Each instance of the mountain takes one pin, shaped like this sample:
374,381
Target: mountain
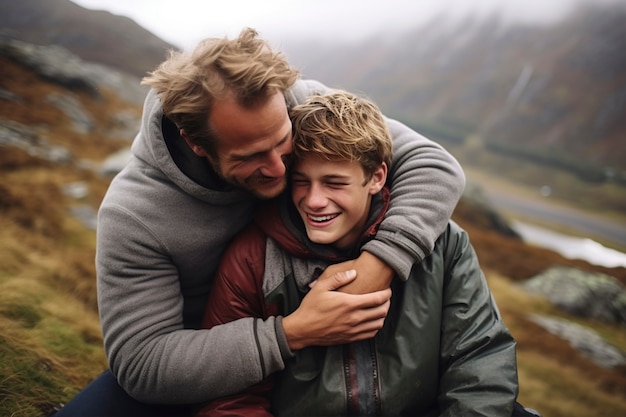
95,36
554,94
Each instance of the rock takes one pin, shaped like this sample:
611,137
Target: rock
86,215
29,140
115,162
588,342
476,208
7,95
73,109
60,66
52,62
77,190
585,294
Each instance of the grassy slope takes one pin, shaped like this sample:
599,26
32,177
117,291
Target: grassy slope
50,342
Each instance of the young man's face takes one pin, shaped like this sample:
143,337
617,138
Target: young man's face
333,198
253,145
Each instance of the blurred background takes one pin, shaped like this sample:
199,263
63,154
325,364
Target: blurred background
530,97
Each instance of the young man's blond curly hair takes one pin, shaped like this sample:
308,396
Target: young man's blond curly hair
342,126
189,83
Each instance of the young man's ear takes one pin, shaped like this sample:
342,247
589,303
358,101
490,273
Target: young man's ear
196,148
378,179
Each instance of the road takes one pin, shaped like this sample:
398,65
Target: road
542,210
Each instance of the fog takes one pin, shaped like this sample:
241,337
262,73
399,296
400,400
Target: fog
185,22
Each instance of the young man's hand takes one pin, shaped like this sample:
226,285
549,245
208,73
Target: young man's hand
328,317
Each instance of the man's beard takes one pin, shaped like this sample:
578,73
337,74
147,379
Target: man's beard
254,184
251,183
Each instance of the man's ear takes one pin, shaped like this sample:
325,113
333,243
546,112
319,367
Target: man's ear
379,177
194,147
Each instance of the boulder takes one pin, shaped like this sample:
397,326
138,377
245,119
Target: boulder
581,293
585,340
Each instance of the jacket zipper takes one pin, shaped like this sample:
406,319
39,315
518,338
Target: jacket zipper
361,370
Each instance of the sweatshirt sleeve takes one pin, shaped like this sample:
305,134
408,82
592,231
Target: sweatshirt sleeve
426,183
478,362
154,358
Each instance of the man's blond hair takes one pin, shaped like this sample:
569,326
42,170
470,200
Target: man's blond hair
342,126
189,83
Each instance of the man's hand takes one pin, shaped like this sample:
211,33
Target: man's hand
328,317
372,274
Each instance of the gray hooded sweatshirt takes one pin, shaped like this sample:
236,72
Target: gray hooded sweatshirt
162,227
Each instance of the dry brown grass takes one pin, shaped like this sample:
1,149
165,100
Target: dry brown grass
555,378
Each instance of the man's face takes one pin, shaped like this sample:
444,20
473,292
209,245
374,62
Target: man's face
333,198
252,145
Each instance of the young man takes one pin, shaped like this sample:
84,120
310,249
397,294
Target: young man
213,142
443,351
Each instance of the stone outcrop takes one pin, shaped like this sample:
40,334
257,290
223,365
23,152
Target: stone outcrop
32,141
476,208
585,294
60,66
586,341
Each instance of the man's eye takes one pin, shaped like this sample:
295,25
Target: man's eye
300,183
337,184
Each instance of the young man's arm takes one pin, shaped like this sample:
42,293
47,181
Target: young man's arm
426,184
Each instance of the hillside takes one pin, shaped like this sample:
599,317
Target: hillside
95,36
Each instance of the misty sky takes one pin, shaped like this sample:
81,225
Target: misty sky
185,22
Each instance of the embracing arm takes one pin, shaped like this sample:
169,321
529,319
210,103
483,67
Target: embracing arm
479,371
426,183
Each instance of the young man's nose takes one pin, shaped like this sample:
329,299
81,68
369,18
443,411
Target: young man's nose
315,198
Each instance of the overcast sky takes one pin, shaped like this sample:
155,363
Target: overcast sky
185,22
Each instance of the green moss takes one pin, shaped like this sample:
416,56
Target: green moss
29,385
27,315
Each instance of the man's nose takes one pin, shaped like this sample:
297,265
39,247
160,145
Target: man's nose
274,165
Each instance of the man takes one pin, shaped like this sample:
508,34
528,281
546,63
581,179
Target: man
214,141
443,351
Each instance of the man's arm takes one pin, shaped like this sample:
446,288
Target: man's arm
479,371
426,183
154,358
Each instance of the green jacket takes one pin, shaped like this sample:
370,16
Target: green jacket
443,351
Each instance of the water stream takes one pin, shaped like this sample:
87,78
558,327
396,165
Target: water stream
569,246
